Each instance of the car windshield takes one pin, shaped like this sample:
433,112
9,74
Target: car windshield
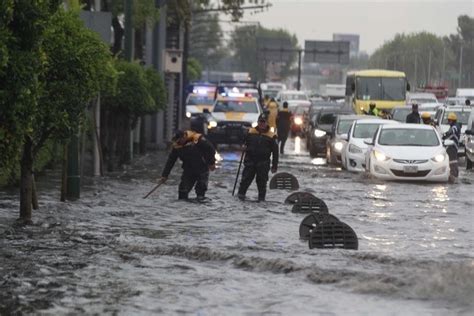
236,106
375,88
327,118
400,115
428,108
344,126
301,110
199,100
270,93
463,116
408,137
287,97
365,130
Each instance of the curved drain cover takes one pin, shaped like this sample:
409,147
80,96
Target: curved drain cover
312,204
310,222
333,234
284,181
294,197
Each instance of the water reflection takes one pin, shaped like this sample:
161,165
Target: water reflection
318,161
297,145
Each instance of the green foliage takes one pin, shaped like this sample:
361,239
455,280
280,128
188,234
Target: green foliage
22,26
156,89
244,44
402,52
78,66
194,69
133,97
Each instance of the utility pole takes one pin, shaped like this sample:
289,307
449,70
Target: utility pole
96,116
128,50
429,67
460,68
416,69
298,86
444,63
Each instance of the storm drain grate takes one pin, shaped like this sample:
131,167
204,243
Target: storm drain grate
284,181
311,204
333,234
294,197
311,221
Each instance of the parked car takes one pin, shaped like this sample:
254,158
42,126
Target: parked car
462,113
407,152
469,141
320,129
335,143
298,120
353,155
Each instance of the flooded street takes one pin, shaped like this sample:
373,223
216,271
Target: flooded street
113,252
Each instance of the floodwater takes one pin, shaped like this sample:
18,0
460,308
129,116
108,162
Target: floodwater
113,252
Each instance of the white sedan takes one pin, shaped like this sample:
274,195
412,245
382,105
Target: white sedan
353,154
408,152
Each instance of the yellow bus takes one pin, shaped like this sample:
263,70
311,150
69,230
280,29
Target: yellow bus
385,88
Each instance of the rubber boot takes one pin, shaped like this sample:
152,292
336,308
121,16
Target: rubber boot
182,196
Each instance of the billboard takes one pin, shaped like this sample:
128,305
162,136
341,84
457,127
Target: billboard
353,39
274,49
326,52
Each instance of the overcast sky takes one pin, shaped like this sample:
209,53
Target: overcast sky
375,21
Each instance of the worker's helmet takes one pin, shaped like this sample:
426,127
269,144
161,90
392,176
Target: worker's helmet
425,115
452,117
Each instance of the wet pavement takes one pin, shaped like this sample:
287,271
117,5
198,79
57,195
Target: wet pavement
113,252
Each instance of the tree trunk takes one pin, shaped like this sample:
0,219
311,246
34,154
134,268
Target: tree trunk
25,182
118,36
34,196
64,175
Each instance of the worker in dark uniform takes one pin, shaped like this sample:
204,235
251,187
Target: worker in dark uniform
260,144
414,116
197,155
454,133
283,122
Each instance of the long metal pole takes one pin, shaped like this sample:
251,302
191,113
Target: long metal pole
298,86
416,70
460,68
429,68
97,161
444,64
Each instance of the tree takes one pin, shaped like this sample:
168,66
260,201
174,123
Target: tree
55,67
194,69
422,56
244,45
138,93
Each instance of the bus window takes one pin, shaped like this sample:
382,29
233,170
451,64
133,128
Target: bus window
368,88
393,89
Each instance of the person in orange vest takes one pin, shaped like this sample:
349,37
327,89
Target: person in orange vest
198,157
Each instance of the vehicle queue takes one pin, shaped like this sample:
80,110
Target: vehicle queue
382,143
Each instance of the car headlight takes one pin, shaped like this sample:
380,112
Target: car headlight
354,149
439,158
212,124
298,121
380,156
254,124
338,146
188,114
319,133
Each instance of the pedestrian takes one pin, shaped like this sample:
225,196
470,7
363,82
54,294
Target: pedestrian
414,116
266,99
454,133
197,155
426,118
372,110
272,109
283,122
468,102
260,144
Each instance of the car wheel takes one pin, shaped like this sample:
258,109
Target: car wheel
468,163
313,152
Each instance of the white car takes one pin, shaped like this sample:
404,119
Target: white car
293,97
421,97
408,152
430,108
353,154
